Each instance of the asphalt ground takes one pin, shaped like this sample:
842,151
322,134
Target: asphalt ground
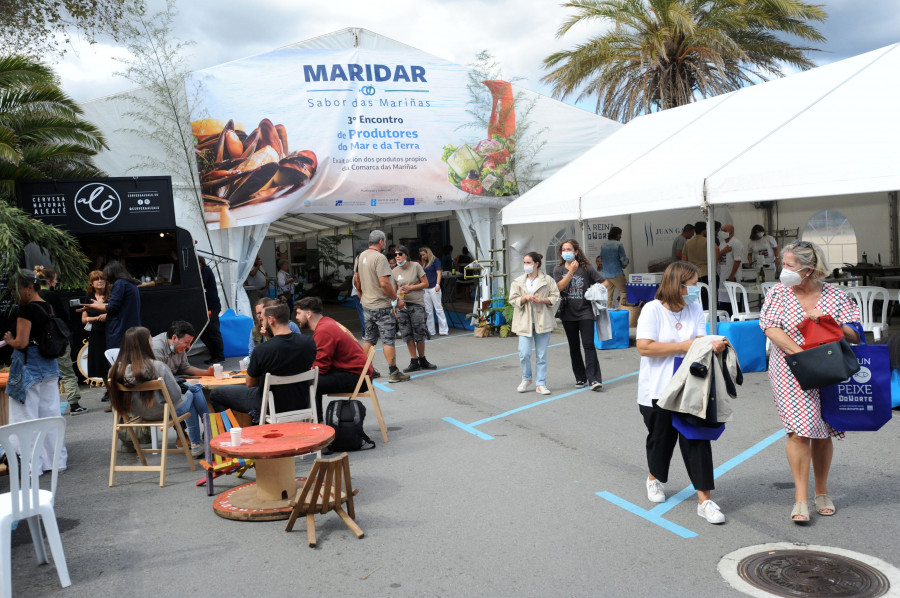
501,501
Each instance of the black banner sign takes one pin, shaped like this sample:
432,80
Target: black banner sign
97,206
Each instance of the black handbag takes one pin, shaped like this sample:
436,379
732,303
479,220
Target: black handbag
823,365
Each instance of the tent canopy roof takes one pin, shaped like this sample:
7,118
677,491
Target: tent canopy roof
828,131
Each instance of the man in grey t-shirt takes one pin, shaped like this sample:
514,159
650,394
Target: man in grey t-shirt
171,348
678,244
372,279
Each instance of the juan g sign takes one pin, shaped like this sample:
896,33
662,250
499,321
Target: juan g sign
100,206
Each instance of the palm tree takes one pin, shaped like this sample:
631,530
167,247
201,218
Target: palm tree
42,135
659,54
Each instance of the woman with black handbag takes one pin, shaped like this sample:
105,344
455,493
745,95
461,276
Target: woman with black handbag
802,295
574,276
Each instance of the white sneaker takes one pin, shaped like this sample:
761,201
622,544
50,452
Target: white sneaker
656,492
523,385
197,450
710,511
542,390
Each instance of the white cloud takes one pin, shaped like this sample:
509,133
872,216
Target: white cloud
520,34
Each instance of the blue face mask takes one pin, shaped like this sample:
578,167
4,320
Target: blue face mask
399,263
568,256
693,295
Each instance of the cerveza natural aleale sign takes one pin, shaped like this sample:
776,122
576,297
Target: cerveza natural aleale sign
102,205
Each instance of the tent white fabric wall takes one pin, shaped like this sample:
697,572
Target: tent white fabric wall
828,131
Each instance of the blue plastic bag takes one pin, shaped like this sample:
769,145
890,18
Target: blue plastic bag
687,425
619,320
861,403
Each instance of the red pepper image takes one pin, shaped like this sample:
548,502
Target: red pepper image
503,113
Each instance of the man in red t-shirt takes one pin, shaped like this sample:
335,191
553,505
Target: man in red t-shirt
338,355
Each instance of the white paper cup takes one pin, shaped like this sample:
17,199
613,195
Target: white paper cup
218,372
235,436
244,363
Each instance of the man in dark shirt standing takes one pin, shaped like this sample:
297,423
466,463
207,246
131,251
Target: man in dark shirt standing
286,353
211,336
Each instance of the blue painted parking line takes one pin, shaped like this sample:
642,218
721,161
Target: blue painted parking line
465,365
655,514
470,428
382,386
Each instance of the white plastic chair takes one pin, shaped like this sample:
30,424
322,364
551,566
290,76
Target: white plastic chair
734,289
268,414
26,500
721,314
111,356
865,298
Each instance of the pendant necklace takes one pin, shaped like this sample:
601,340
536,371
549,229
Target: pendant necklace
677,319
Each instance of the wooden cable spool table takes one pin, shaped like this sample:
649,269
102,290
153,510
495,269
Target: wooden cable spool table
274,447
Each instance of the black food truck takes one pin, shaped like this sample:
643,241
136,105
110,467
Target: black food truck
131,220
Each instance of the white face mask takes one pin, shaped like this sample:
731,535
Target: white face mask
529,268
789,278
724,236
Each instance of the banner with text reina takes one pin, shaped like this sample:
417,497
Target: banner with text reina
331,131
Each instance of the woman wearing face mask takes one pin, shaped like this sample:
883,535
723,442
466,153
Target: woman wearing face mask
533,295
762,250
575,276
666,329
801,295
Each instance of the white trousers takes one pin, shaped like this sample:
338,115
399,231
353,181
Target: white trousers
433,306
41,400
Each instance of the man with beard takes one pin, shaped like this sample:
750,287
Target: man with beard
338,355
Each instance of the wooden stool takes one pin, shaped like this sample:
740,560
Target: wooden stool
326,489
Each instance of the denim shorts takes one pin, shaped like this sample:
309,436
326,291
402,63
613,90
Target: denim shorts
380,323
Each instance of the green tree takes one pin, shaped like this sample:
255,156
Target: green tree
39,28
658,54
42,135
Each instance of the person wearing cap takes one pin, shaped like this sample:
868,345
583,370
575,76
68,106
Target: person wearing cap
372,278
410,282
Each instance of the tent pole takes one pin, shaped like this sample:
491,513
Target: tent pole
583,229
711,264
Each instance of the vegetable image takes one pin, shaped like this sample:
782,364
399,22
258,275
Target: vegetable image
487,169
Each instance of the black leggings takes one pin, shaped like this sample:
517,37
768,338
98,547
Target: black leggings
661,439
584,328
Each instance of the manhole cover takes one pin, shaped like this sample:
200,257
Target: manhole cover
808,573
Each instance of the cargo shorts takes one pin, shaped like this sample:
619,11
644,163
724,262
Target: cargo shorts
380,323
411,320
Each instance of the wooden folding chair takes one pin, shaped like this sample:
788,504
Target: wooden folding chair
169,420
326,489
216,465
356,394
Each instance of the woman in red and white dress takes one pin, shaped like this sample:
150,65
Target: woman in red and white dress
800,295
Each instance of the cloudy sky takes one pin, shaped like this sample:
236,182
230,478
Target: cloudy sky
519,33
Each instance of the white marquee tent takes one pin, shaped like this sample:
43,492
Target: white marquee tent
830,131
566,132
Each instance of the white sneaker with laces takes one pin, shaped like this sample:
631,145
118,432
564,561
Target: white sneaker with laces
710,511
542,390
523,385
656,492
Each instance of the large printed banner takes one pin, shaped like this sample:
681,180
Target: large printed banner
331,131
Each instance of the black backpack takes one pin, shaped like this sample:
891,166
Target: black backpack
54,340
347,417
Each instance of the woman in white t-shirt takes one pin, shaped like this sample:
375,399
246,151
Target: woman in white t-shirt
666,328
762,250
